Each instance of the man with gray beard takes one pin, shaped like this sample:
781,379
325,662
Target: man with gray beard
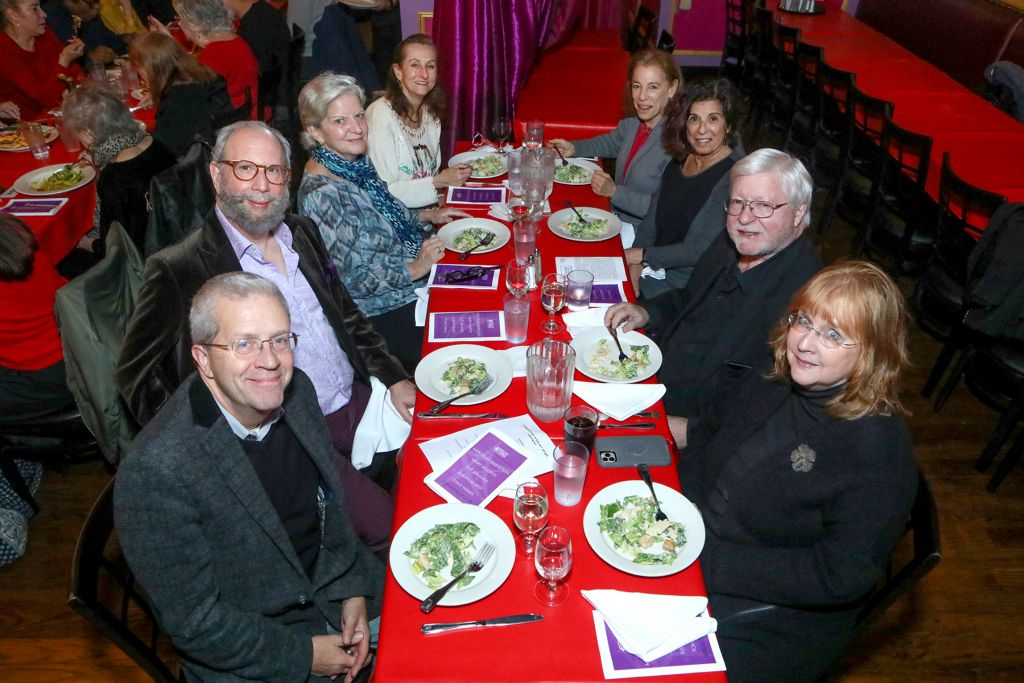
250,229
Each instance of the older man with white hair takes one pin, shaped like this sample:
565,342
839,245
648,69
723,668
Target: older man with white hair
716,329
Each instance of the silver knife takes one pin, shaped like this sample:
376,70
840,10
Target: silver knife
635,425
464,416
497,621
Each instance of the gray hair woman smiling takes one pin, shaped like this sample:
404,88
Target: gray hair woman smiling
379,245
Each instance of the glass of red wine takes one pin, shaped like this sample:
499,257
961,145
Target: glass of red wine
553,560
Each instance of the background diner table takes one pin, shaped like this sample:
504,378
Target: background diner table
986,145
562,647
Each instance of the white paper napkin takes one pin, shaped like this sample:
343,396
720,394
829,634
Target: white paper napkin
381,428
620,401
422,299
650,626
627,235
580,322
516,357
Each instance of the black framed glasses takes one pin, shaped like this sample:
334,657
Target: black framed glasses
830,338
246,170
466,275
245,347
758,208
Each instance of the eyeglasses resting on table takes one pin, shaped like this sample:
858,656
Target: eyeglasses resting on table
469,274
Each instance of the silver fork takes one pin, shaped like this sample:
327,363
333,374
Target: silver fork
482,555
576,211
482,243
615,335
645,474
477,388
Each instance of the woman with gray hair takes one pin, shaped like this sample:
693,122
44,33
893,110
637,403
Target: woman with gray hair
208,24
123,153
380,247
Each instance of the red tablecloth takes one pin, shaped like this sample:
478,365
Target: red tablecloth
577,93
986,146
563,646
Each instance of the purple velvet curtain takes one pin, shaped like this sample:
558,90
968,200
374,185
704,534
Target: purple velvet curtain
563,21
486,50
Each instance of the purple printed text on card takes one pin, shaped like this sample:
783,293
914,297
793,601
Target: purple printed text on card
477,195
480,470
471,325
697,652
441,270
605,294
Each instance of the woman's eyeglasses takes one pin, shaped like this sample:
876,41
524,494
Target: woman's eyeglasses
469,274
830,338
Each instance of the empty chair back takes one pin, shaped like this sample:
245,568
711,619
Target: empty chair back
103,591
964,211
836,89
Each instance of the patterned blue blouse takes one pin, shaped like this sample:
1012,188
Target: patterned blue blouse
361,241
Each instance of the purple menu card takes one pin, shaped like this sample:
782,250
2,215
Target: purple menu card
480,473
701,655
606,294
467,326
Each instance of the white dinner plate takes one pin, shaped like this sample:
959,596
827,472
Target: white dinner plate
613,228
11,134
24,184
485,581
673,504
466,157
433,365
450,231
585,344
582,163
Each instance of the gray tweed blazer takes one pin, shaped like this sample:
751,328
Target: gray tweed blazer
210,551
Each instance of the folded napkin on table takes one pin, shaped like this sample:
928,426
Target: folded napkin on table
381,429
516,357
658,274
620,401
580,322
651,626
422,299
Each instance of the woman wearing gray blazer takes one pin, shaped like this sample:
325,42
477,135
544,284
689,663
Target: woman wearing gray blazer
635,143
687,211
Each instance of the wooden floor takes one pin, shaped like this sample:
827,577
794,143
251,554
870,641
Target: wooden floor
963,622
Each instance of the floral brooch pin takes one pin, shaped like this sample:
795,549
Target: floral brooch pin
802,458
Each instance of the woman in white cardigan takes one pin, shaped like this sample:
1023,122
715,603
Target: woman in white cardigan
405,127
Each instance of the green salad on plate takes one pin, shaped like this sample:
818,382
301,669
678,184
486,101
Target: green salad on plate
630,526
444,552
594,227
605,360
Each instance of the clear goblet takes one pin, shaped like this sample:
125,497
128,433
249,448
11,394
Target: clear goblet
516,278
553,560
552,298
530,513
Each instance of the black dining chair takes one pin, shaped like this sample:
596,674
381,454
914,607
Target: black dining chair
104,592
863,163
900,222
737,13
801,138
833,136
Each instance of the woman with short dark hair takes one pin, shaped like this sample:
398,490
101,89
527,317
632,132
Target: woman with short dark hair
807,486
686,213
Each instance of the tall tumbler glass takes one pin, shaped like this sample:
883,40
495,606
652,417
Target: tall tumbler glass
550,365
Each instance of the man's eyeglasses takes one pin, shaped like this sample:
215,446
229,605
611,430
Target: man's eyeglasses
466,275
830,338
244,347
758,209
247,170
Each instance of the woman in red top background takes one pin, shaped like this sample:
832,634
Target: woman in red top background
32,380
208,24
32,58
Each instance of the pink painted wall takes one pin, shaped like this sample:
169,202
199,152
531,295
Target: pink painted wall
410,14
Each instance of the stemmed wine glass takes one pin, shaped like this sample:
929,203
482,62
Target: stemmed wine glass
553,560
530,513
516,278
552,298
501,131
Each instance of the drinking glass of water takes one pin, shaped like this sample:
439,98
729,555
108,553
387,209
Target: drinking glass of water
553,561
578,284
